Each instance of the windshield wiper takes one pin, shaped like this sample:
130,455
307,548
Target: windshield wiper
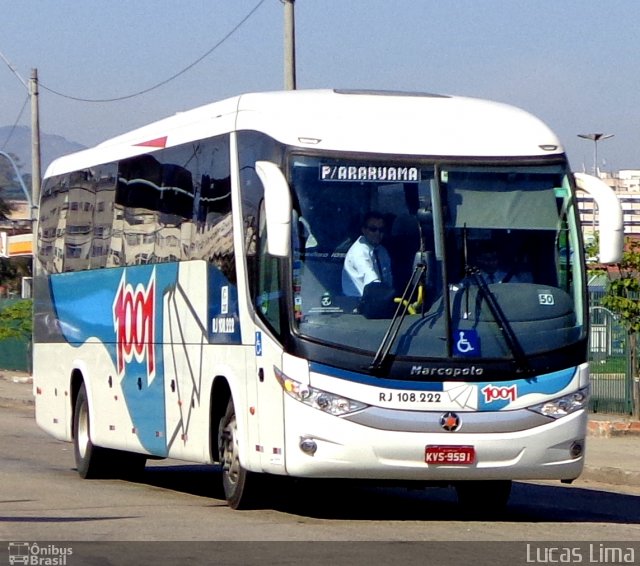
473,272
522,365
382,355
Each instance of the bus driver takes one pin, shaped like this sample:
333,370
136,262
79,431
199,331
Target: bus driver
367,259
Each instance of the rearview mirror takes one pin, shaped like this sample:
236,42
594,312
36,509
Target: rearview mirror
610,221
277,205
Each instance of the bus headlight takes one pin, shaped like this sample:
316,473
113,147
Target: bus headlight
563,406
317,398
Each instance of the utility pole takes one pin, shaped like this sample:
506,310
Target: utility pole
289,45
35,144
35,165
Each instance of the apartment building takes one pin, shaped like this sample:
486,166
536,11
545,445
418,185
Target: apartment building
626,184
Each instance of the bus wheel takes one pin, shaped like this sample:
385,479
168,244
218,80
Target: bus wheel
89,458
236,481
483,498
93,461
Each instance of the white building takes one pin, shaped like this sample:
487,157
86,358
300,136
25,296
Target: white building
626,184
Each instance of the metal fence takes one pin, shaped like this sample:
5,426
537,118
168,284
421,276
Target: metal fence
15,353
609,361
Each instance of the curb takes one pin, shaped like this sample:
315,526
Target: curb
613,428
609,475
16,389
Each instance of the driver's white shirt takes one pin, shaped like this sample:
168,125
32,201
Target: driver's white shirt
360,267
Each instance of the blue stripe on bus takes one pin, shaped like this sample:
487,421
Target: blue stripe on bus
545,384
86,303
377,381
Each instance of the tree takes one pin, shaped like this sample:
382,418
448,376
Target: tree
11,270
623,298
591,248
5,209
15,320
9,185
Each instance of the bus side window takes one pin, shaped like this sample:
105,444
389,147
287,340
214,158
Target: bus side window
139,182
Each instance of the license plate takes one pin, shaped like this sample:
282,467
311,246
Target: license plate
449,455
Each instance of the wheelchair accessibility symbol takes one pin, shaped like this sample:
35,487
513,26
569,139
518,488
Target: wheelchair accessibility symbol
258,343
466,343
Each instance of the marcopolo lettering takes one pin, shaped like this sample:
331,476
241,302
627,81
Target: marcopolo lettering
446,371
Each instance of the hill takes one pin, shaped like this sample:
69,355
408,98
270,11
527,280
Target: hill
18,142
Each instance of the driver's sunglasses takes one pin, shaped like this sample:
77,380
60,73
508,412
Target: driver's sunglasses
376,229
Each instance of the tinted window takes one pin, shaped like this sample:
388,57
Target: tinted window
171,205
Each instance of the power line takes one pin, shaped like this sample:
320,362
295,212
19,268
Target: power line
14,71
24,105
166,81
13,128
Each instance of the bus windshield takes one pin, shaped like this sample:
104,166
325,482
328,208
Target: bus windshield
484,257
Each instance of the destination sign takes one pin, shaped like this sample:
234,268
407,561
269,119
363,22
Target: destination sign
369,173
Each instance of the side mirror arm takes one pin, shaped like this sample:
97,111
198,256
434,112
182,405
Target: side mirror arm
277,204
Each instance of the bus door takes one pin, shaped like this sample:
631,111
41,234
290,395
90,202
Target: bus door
270,303
269,410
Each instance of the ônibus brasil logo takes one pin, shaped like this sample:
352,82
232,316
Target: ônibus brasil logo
133,321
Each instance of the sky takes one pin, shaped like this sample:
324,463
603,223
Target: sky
573,63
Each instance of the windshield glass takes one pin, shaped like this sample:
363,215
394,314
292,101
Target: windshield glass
474,261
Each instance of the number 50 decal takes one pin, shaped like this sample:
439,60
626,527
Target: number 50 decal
545,299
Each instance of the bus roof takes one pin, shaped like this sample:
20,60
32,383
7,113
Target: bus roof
341,120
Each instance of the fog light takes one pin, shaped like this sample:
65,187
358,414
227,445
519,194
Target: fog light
577,449
308,446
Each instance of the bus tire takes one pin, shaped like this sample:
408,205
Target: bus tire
483,498
238,484
95,462
90,459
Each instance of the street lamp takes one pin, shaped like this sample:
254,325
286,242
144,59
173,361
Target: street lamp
595,138
22,185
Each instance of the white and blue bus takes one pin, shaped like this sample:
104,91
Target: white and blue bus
188,296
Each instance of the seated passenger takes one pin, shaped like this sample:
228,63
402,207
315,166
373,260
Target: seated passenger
488,263
367,259
495,271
